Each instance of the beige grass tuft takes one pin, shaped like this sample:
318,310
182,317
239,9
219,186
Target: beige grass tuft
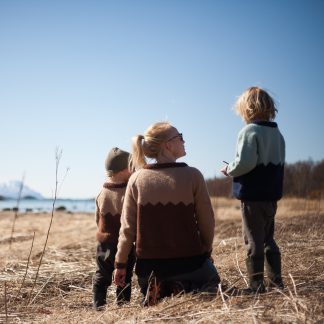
63,291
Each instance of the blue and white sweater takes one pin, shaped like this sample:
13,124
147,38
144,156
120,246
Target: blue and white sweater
258,168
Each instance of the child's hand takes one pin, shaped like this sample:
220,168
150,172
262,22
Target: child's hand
119,277
224,171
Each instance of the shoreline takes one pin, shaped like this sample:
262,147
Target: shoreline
46,205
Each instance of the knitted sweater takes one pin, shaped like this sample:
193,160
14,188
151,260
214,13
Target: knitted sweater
258,167
168,213
109,204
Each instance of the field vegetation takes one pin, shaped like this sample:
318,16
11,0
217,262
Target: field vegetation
303,179
61,292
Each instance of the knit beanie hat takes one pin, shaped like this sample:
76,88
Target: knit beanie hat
117,160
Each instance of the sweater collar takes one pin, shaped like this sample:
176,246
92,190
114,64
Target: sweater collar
265,123
110,185
165,165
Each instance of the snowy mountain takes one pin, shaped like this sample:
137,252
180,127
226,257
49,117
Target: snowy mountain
11,190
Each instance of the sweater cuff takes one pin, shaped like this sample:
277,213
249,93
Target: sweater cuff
119,265
102,237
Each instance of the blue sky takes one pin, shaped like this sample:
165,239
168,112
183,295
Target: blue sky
87,75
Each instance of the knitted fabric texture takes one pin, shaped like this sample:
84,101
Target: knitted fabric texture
258,167
109,204
168,213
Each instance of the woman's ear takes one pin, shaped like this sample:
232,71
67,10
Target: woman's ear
166,145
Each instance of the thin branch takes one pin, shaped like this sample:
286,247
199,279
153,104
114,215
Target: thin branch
222,296
238,266
47,281
58,155
16,209
5,301
27,266
66,172
294,285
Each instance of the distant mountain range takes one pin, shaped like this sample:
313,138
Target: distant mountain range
10,190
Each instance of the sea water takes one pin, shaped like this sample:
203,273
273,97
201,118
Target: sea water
46,205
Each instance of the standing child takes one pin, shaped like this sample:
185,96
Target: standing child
108,210
257,171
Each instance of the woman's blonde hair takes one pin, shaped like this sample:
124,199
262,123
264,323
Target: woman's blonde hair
149,144
256,104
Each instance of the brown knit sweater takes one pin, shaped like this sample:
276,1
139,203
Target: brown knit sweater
168,213
109,204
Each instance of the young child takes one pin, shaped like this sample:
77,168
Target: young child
108,210
257,171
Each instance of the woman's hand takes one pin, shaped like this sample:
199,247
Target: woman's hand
119,277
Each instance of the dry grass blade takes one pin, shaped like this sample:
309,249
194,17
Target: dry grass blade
58,155
64,284
16,210
222,296
294,285
27,266
238,266
40,290
5,301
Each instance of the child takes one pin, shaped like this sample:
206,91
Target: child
108,210
257,172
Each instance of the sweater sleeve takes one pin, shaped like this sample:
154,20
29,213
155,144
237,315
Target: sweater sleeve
127,232
97,213
204,212
246,153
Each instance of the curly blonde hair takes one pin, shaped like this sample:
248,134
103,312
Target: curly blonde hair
149,144
256,104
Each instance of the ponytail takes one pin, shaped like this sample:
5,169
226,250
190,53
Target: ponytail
138,158
150,144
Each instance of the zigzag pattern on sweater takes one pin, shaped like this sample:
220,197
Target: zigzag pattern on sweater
159,204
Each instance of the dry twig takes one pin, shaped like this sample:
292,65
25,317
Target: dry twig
238,266
27,266
5,301
58,155
16,209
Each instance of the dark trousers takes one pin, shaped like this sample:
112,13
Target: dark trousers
105,259
258,228
204,279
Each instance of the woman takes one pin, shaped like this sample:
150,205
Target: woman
168,213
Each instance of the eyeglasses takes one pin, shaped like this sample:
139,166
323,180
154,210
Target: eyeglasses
176,136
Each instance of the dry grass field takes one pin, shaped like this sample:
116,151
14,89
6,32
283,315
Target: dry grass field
62,292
